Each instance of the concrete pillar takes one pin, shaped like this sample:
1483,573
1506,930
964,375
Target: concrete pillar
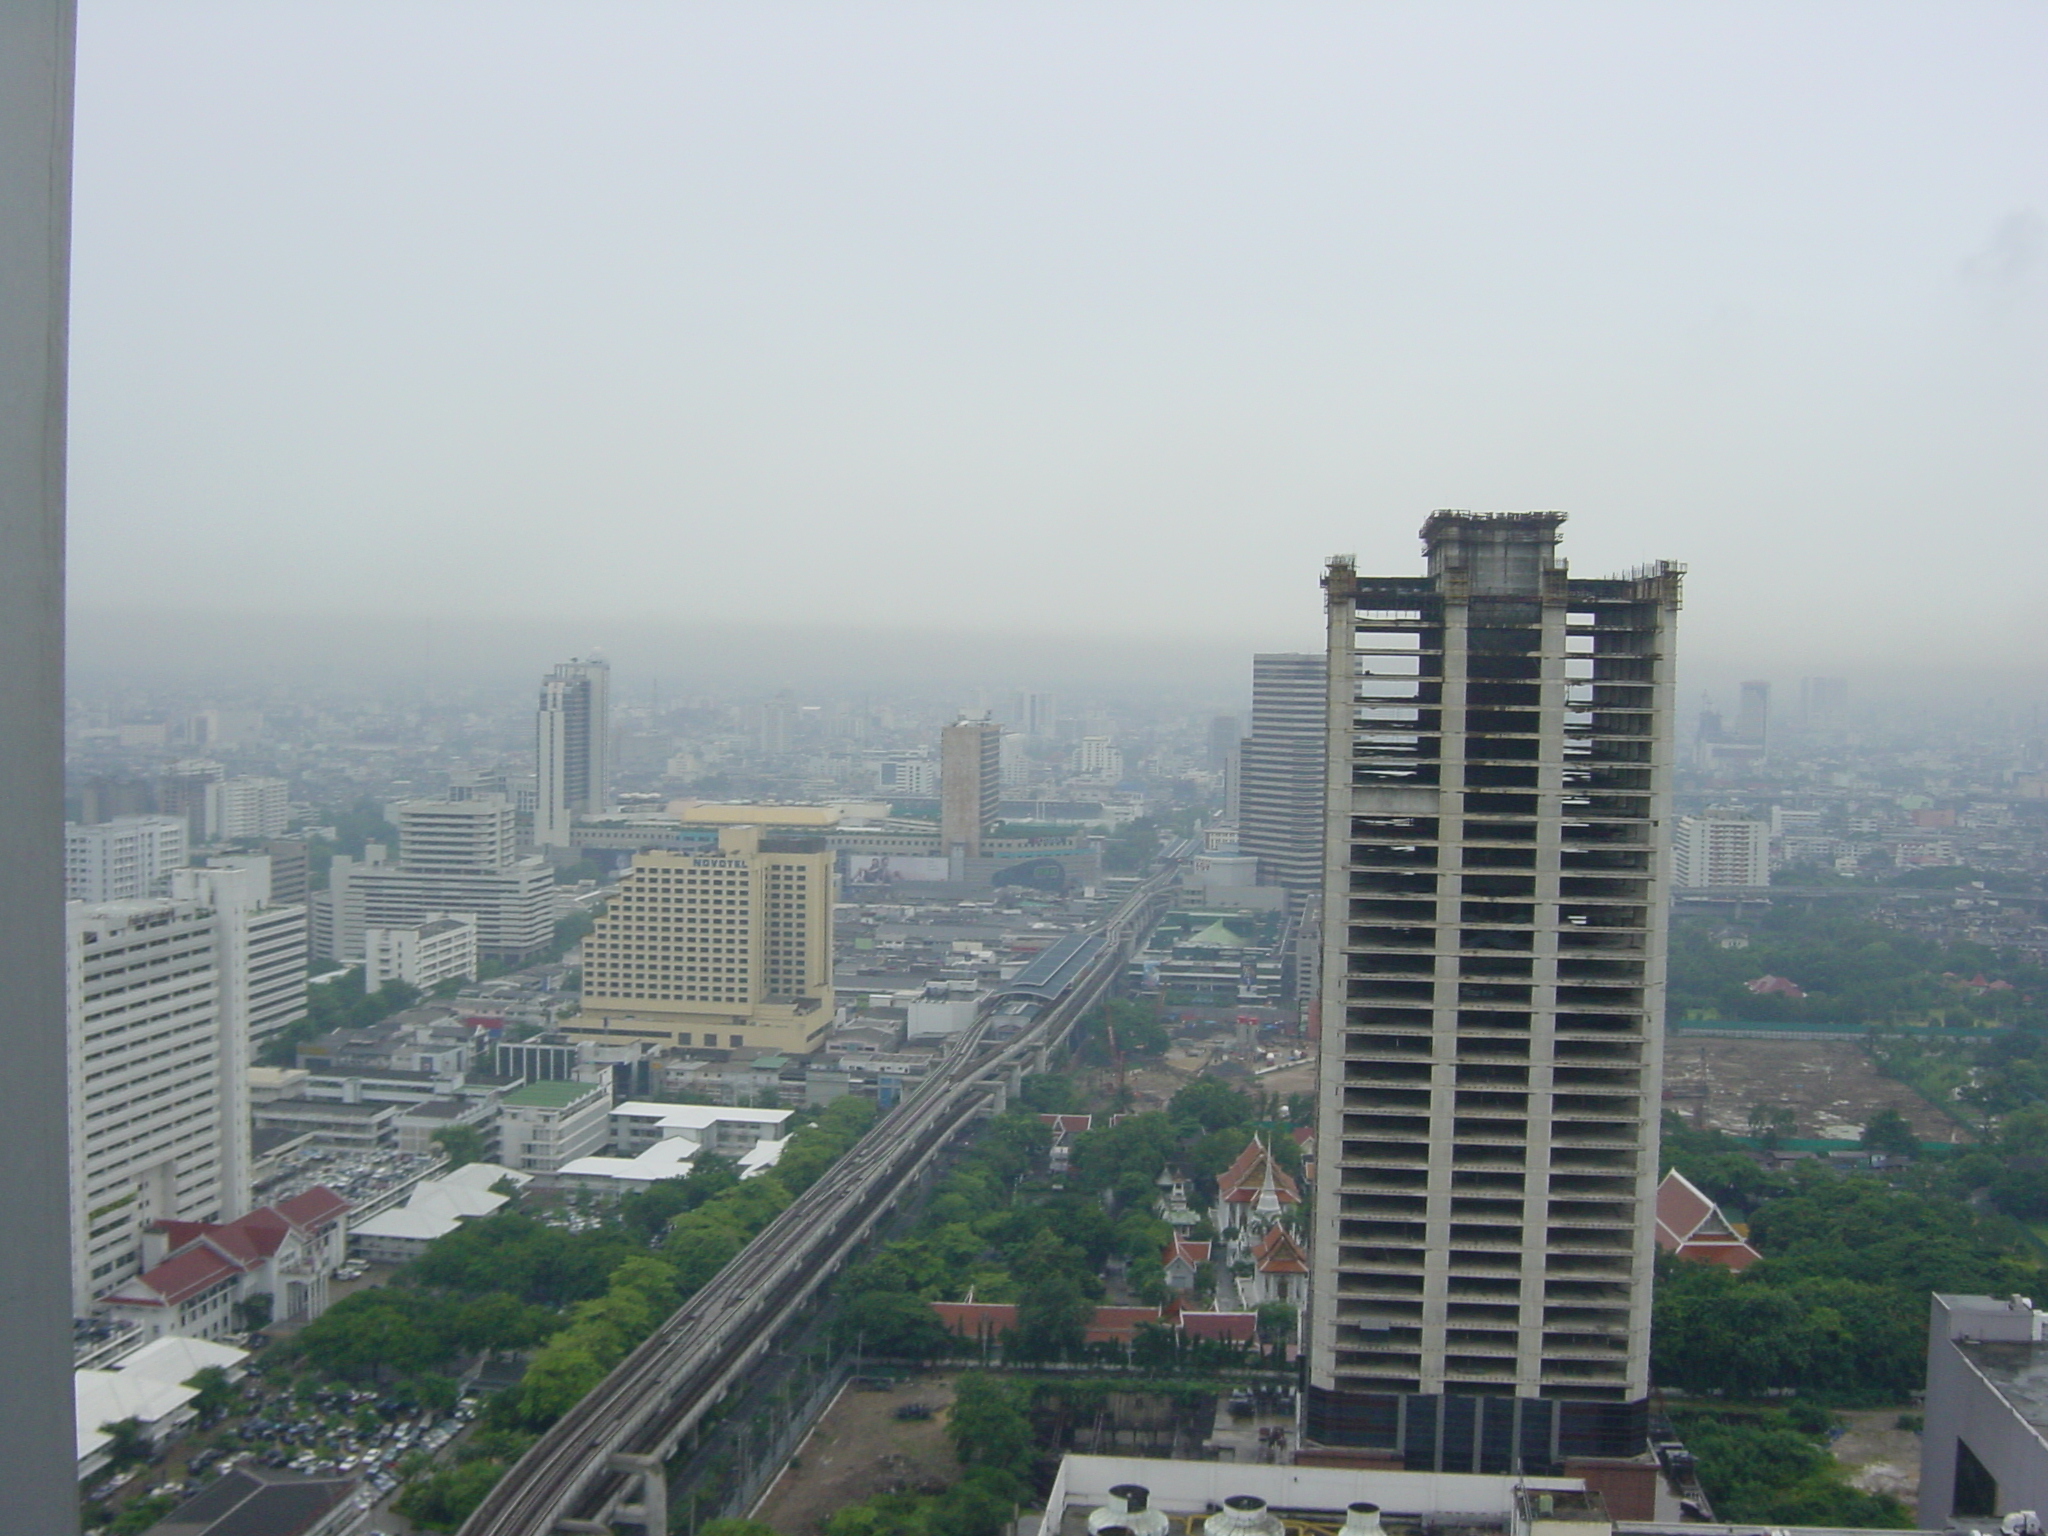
651,1513
37,1456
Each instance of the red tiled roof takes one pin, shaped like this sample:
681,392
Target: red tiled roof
1729,1252
316,1205
1242,1181
1231,1327
1279,1254
215,1250
1681,1210
976,1319
1191,1252
177,1279
1765,986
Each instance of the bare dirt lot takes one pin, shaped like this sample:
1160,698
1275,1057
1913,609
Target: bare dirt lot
1830,1085
859,1449
1880,1457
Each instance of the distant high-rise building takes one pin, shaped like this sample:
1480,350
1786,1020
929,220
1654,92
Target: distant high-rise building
158,1080
573,749
245,807
1493,994
1097,758
108,796
1280,771
1720,850
1823,703
731,949
181,791
126,859
454,856
970,786
1753,714
914,778
1033,715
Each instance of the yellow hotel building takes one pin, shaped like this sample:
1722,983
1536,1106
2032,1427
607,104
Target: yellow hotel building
731,950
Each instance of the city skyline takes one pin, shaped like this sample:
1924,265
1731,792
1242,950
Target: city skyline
1247,300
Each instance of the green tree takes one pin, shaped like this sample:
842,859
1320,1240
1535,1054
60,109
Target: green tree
989,1428
464,1145
736,1528
1277,1322
216,1393
1211,1105
127,1442
1052,1320
443,1499
1770,1124
1888,1132
894,1324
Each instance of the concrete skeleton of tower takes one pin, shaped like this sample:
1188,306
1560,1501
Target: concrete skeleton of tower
1500,758
572,748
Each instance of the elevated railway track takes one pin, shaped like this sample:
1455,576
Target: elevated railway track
603,1464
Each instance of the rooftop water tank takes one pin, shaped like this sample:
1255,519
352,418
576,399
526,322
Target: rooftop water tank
1243,1514
1130,1509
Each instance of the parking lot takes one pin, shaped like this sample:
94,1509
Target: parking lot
335,1431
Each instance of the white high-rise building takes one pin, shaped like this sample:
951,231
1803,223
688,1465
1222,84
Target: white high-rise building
456,856
1720,850
268,943
915,778
456,834
1098,758
246,807
423,955
1499,778
158,1080
572,748
126,859
1279,790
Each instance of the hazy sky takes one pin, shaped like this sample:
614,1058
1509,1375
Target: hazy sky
1100,317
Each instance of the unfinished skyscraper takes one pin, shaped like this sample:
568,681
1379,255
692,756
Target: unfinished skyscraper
1493,979
573,748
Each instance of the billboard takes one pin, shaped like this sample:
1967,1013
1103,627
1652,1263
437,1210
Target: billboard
888,868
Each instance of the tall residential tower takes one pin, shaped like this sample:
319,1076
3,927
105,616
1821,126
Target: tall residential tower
572,733
1500,754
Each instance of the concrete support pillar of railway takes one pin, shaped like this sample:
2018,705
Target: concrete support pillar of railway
651,1513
